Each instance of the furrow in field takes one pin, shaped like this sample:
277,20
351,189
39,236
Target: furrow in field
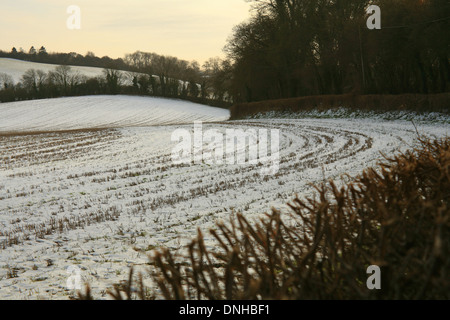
84,197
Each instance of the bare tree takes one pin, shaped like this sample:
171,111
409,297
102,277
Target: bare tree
113,79
6,81
30,80
61,77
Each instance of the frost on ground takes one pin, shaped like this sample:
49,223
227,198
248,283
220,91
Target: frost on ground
101,199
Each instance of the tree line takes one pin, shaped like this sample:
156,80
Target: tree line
63,81
72,58
293,48
288,48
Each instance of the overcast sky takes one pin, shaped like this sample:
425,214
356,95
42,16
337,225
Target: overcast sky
187,29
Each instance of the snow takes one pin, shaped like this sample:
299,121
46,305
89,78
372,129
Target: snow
93,112
118,194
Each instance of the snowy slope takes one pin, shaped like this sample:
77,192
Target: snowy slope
16,68
102,112
100,200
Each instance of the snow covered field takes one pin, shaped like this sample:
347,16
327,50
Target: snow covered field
16,68
100,199
94,112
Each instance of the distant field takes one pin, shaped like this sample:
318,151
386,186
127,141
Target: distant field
94,112
100,199
16,68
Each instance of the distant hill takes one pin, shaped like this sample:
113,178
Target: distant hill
16,68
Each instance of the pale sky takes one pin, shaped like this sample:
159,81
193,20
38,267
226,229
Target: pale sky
187,29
